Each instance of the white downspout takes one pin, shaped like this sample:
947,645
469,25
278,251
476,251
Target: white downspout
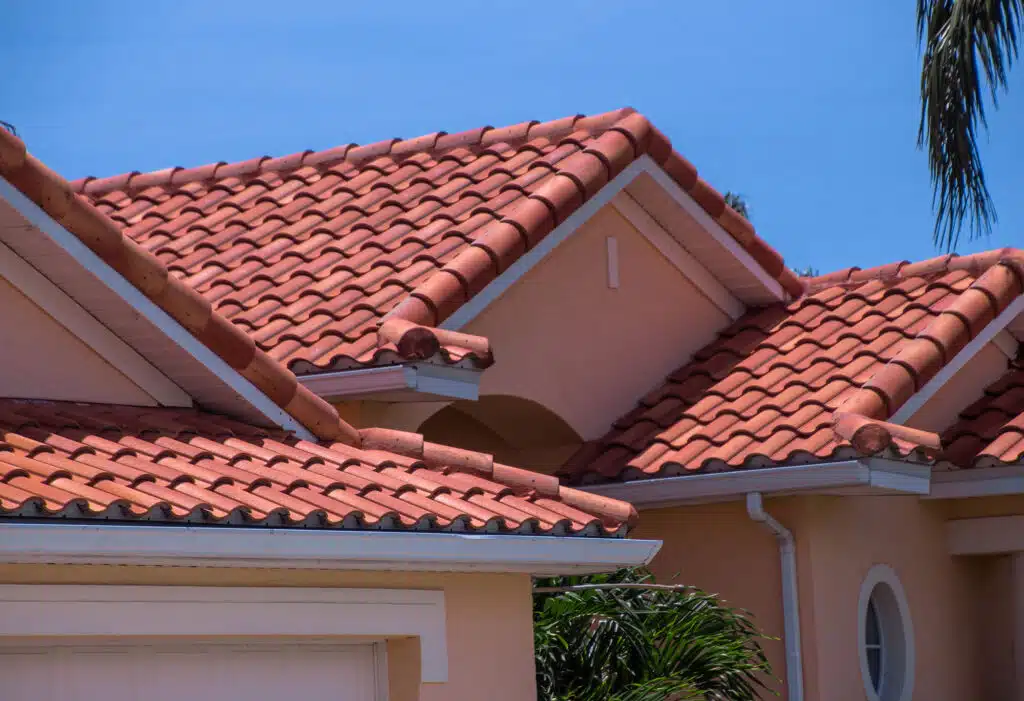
790,598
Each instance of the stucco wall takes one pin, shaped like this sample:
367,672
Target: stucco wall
563,338
717,548
40,359
966,386
846,537
490,636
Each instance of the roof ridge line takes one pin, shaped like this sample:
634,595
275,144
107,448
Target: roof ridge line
976,263
435,455
863,418
152,278
438,142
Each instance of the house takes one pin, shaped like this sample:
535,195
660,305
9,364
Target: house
839,455
179,515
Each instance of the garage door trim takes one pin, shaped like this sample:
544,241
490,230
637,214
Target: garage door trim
32,611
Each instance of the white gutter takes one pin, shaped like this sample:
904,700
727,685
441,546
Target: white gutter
413,381
214,546
790,595
871,475
977,482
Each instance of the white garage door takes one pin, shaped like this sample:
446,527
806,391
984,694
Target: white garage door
201,671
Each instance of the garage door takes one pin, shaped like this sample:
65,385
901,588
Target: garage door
200,671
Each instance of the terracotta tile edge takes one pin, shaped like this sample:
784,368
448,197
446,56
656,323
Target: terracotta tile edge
143,270
417,342
862,419
613,513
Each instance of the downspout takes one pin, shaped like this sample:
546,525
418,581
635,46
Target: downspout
790,598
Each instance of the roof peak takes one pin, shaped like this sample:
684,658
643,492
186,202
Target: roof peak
435,143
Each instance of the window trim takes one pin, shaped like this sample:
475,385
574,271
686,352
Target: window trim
885,575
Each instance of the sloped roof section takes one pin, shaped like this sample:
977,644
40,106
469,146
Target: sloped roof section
990,432
148,274
309,253
118,463
814,380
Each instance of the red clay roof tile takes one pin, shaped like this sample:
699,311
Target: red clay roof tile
119,463
817,379
991,430
409,229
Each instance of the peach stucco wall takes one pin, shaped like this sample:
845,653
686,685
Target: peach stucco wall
566,340
489,619
846,537
40,359
717,548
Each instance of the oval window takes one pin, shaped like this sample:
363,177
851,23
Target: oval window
886,637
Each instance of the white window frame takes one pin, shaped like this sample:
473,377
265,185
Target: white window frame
73,612
891,623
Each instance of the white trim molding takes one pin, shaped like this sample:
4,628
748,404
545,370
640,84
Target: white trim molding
977,482
868,476
992,535
214,546
69,314
79,611
897,635
420,382
69,245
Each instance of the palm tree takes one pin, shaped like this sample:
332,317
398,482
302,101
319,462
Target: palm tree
968,47
623,637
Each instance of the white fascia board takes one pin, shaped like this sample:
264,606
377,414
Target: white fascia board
873,475
475,306
213,546
420,381
977,482
69,314
712,227
989,333
142,305
994,535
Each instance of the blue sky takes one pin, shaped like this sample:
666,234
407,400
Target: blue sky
808,108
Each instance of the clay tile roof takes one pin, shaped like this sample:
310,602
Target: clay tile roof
990,431
308,253
118,463
815,379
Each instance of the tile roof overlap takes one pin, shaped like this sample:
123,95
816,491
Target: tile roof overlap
990,431
119,463
309,253
813,380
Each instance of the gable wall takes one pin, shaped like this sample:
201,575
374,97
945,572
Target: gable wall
40,359
564,339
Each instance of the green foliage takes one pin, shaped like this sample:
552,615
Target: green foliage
806,272
739,203
969,45
642,642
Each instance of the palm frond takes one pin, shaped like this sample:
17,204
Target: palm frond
968,48
623,637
